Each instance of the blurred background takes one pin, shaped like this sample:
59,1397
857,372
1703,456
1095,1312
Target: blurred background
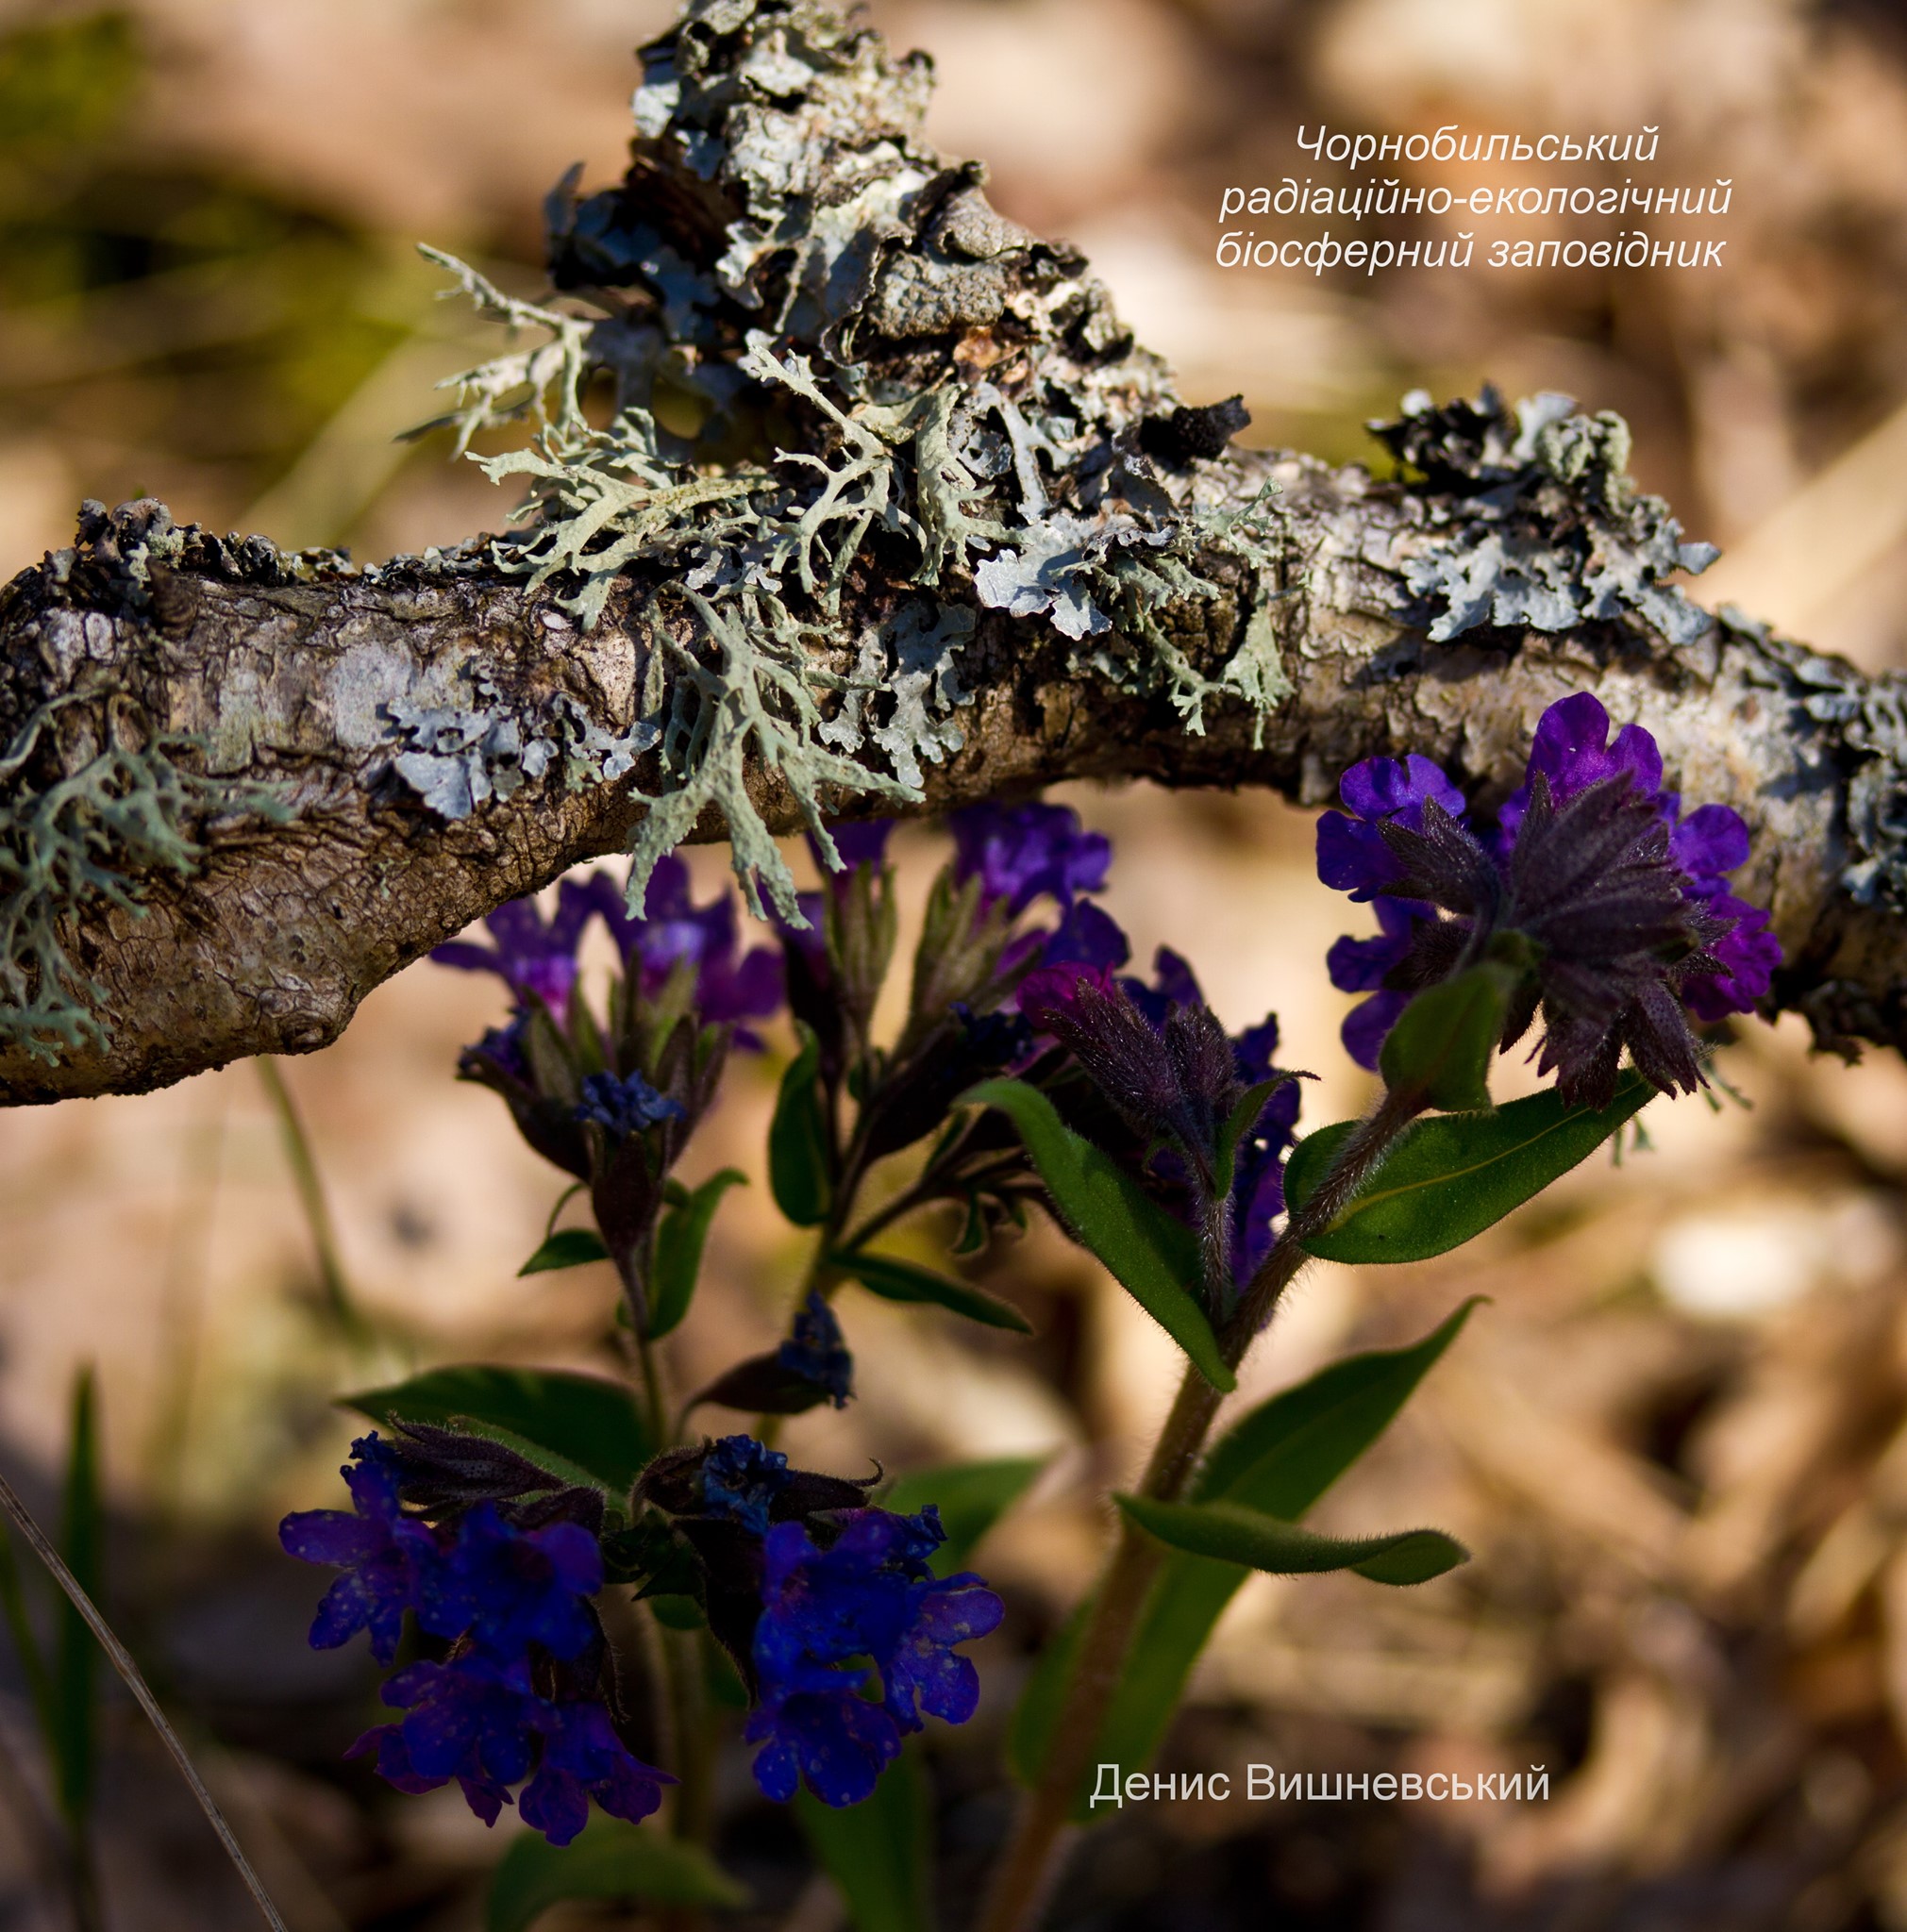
1677,1436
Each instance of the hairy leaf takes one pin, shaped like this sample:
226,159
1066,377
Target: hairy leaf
1453,1176
1152,1255
1258,1541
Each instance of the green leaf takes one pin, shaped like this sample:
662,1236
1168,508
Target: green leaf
585,1422
1258,1541
571,1247
901,1281
880,1851
1279,1457
799,1168
1451,1177
612,1859
971,1498
1154,1257
1283,1454
1445,1040
1239,1122
679,1250
76,1666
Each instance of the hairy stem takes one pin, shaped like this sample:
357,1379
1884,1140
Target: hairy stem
1027,1868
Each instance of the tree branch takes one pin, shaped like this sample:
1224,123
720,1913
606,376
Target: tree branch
240,788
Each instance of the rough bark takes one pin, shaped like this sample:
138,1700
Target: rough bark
265,705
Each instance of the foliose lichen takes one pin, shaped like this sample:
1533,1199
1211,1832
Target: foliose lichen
1535,523
831,364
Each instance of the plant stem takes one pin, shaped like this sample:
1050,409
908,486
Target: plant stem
1018,1896
129,1671
311,1187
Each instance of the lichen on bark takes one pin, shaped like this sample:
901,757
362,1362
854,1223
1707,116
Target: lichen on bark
888,512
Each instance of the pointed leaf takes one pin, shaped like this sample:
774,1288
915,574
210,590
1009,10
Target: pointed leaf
1453,1176
680,1242
971,1498
798,1163
1153,1256
1281,1457
895,1280
1249,1537
586,1421
613,1859
880,1851
1283,1454
569,1247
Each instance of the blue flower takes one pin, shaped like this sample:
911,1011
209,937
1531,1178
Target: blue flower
386,1555
583,1759
1019,852
1621,892
532,958
868,1595
672,928
505,1588
478,1721
625,1106
816,1352
741,1479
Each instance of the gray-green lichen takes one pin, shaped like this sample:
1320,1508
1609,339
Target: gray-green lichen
836,377
95,797
1537,523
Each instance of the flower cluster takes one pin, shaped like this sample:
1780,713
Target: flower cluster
820,1599
1621,893
538,960
831,1608
516,1698
1159,1056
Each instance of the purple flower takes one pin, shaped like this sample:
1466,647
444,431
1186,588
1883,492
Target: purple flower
386,1557
1622,894
1160,1057
532,958
1364,966
1019,852
478,1721
583,1759
816,1352
505,1588
625,1106
672,928
869,1594
741,1479
1572,750
1087,935
1351,854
